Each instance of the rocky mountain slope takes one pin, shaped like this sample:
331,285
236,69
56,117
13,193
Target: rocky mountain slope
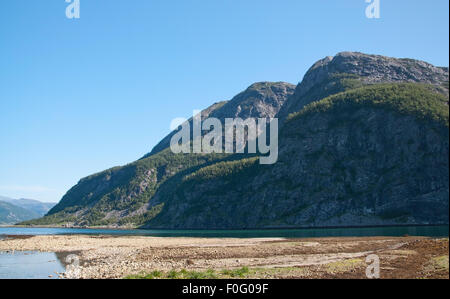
364,141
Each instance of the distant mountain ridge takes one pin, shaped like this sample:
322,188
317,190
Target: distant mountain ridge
11,214
364,140
36,206
17,210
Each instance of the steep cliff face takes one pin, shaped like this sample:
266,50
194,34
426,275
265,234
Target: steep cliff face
352,159
357,146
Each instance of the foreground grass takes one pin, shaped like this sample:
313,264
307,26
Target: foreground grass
242,273
344,266
184,274
440,263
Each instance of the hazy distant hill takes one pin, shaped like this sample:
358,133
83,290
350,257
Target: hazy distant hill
11,214
16,210
40,208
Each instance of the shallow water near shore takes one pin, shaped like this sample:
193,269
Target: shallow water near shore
30,265
398,231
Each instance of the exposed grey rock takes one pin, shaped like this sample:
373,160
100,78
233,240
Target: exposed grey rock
374,69
260,100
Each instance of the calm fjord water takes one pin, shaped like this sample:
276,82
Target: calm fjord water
429,231
30,265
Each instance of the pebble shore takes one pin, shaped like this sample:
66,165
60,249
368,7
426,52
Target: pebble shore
119,256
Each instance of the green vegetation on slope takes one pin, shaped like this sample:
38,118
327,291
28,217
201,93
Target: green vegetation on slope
118,195
332,84
414,99
225,175
221,169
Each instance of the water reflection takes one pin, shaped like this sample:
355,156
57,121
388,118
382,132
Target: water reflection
30,265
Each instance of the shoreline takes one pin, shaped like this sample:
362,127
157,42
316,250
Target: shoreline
226,229
105,256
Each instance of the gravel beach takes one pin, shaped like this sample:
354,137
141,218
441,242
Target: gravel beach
121,256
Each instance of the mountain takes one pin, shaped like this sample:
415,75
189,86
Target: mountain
11,214
40,208
120,195
349,160
364,140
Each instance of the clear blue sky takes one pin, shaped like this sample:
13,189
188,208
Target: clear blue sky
80,96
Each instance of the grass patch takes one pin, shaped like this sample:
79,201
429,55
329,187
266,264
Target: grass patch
278,273
236,273
241,273
435,265
343,266
440,263
173,274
